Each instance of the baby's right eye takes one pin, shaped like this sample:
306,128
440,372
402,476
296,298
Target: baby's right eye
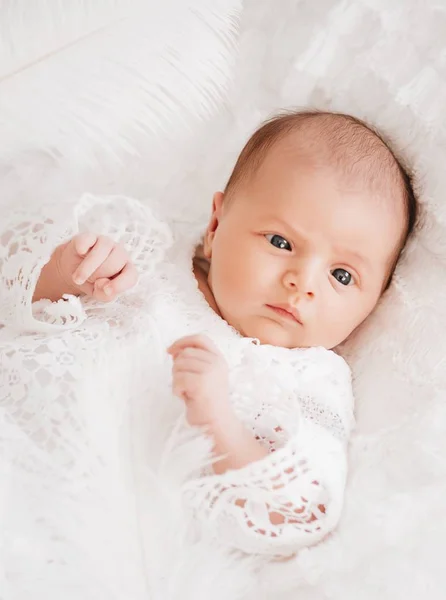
278,241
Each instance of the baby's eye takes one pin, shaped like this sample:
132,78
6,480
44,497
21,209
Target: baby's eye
343,276
278,241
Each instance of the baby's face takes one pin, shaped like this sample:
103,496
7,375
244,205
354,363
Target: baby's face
298,259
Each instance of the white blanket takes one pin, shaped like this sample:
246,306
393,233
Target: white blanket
380,61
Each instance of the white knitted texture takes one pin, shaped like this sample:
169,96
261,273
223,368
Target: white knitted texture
297,403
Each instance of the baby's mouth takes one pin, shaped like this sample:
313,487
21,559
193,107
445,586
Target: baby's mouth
286,311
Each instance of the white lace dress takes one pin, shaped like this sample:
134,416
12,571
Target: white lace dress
71,369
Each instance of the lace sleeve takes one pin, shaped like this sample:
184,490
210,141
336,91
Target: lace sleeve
29,237
293,497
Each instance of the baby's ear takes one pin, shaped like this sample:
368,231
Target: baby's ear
214,221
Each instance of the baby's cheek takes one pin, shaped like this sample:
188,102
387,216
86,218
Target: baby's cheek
247,277
348,317
229,287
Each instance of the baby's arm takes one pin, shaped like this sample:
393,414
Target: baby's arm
88,264
258,501
36,240
236,446
200,378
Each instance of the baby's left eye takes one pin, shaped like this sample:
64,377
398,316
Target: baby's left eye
278,241
343,276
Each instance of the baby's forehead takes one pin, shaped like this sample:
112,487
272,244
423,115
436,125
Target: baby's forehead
354,152
356,190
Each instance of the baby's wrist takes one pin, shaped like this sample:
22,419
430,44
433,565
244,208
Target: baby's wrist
64,281
234,445
225,423
52,284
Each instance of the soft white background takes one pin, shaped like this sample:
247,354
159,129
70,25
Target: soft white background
155,100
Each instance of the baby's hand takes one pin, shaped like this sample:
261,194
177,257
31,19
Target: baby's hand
96,266
200,378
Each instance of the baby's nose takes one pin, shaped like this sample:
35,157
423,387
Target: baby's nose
302,283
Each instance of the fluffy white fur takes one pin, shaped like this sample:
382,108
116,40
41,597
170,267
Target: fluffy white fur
385,62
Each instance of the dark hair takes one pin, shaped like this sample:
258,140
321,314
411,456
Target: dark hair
412,207
352,144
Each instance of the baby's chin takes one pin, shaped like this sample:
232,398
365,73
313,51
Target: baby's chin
271,333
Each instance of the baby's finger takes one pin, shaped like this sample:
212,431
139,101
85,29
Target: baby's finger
84,242
100,283
189,365
193,341
182,387
194,354
97,255
124,281
114,263
98,290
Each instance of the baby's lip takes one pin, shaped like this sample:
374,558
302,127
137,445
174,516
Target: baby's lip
287,308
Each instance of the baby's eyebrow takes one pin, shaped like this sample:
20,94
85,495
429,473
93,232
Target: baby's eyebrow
355,255
295,231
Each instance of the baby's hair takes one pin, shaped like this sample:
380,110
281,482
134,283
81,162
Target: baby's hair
343,141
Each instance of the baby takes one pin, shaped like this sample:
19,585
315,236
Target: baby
299,249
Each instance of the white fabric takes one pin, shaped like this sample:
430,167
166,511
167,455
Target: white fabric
379,60
297,403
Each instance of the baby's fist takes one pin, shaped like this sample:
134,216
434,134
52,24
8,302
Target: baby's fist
200,378
97,266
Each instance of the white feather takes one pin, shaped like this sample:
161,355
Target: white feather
89,78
